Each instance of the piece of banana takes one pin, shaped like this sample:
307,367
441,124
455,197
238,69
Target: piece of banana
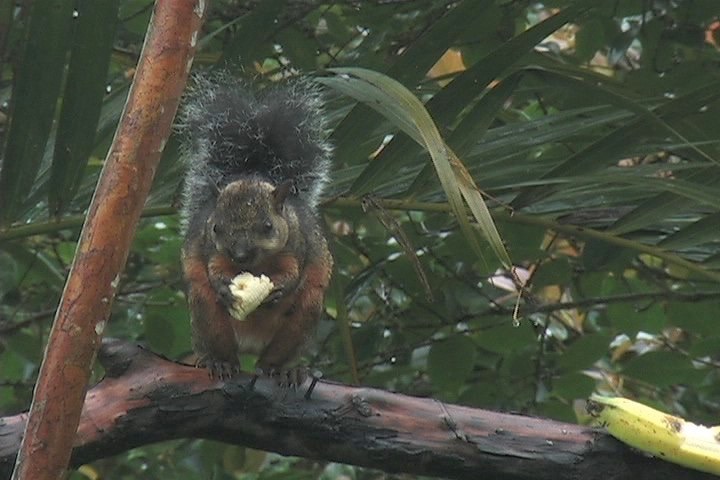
249,292
662,435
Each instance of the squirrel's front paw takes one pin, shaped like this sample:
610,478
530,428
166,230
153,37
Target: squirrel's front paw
225,295
274,296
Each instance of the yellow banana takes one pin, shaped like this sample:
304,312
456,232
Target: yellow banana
249,291
662,435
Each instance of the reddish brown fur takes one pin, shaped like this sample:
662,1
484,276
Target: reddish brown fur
275,331
299,320
211,322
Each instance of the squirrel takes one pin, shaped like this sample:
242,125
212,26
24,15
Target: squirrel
257,164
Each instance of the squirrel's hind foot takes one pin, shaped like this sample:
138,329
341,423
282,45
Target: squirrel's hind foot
218,369
292,378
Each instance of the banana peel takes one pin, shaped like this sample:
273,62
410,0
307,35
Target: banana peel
657,433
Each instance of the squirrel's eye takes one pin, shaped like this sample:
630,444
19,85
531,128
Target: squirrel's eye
268,227
216,229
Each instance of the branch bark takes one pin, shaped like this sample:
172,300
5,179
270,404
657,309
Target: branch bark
144,399
105,240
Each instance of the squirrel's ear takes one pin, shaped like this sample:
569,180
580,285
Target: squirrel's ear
281,193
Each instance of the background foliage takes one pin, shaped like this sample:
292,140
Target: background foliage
594,134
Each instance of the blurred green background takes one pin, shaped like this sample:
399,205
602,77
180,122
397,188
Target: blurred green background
592,127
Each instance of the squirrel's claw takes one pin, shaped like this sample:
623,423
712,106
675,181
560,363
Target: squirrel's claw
225,296
218,369
294,377
274,297
286,378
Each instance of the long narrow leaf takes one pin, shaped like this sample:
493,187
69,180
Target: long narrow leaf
249,42
704,195
37,86
447,104
606,95
473,126
353,136
395,102
613,146
666,203
702,231
82,101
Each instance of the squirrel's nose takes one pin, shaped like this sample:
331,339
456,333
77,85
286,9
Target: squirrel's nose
243,256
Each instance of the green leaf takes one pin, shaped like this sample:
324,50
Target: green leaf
683,189
698,318
451,362
34,101
706,347
449,102
556,272
663,205
572,386
507,338
589,39
525,240
632,317
557,410
250,39
584,352
9,273
297,47
167,328
614,145
400,106
663,369
475,79
479,395
356,136
475,123
27,346
702,231
13,365
598,255
92,44
365,340
37,266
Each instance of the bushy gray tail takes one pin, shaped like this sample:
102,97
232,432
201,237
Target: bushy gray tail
277,134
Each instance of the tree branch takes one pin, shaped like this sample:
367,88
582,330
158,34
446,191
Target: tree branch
144,399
